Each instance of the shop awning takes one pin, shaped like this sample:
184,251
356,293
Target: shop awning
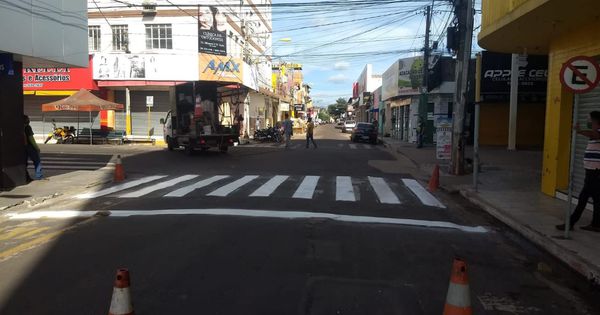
82,101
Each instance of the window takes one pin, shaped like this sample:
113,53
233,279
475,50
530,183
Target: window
120,39
94,38
159,36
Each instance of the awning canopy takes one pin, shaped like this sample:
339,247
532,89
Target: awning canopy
82,101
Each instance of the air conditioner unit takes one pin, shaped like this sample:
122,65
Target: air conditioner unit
149,7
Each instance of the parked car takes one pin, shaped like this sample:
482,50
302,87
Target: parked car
364,132
339,124
348,125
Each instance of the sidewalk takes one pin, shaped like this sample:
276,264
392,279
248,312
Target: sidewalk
509,189
39,191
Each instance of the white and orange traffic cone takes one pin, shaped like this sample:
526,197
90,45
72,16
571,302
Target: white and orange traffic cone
434,181
120,303
119,171
458,300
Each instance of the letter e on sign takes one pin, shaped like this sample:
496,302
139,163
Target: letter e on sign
580,74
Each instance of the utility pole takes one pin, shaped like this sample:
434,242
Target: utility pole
424,99
464,12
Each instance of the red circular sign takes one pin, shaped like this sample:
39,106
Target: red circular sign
580,74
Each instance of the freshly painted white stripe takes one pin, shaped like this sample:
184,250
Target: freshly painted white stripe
340,145
75,162
229,188
383,191
368,147
120,187
159,186
269,187
353,146
343,189
201,184
64,214
69,167
307,188
423,195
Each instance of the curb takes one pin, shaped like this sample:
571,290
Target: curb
582,266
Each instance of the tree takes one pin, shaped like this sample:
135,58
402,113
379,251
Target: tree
338,108
323,115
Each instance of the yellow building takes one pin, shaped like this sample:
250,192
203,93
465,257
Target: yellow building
560,29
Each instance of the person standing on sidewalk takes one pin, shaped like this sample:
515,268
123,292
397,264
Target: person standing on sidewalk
591,185
288,130
32,151
310,128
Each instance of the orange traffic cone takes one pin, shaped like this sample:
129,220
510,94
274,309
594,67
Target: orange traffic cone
120,303
458,300
434,181
119,171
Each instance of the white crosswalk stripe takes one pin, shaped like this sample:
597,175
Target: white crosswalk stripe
383,191
120,187
347,188
269,187
307,188
353,146
368,147
423,195
229,188
201,184
159,186
344,191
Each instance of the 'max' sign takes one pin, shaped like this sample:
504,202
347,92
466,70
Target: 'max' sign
228,66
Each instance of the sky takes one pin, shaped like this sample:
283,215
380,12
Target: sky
334,42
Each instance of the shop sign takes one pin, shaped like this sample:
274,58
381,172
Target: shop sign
212,42
299,107
580,74
161,67
443,133
496,73
67,78
404,77
221,68
149,101
284,107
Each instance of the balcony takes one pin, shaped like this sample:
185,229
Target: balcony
516,26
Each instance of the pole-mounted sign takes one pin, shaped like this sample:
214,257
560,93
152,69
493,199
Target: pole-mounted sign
579,75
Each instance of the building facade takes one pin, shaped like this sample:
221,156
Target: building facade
363,90
142,52
517,27
32,36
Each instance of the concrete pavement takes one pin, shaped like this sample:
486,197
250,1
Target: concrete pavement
509,189
334,230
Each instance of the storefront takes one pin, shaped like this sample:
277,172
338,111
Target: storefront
45,85
400,120
516,29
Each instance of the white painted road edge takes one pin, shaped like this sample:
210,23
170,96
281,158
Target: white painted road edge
66,214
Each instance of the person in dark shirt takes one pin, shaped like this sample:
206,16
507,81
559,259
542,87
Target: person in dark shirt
32,151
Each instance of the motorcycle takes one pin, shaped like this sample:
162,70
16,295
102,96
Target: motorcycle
271,134
64,134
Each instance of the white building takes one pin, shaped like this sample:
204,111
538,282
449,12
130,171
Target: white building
366,84
143,51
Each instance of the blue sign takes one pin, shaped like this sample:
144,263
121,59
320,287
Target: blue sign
6,64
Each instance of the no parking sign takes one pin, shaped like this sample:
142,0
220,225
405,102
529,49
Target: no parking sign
580,74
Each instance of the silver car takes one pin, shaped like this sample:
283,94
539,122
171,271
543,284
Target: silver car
348,125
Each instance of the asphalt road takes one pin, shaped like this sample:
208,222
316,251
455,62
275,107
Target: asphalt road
265,230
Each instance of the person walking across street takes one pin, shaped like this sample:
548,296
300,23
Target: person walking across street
310,128
591,185
288,130
32,151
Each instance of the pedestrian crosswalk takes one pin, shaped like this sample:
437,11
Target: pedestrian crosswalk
296,146
311,187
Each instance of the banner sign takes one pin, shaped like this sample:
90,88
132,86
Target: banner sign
496,73
221,69
159,67
443,133
404,77
212,42
48,79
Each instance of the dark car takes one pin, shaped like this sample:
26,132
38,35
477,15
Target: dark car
364,132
